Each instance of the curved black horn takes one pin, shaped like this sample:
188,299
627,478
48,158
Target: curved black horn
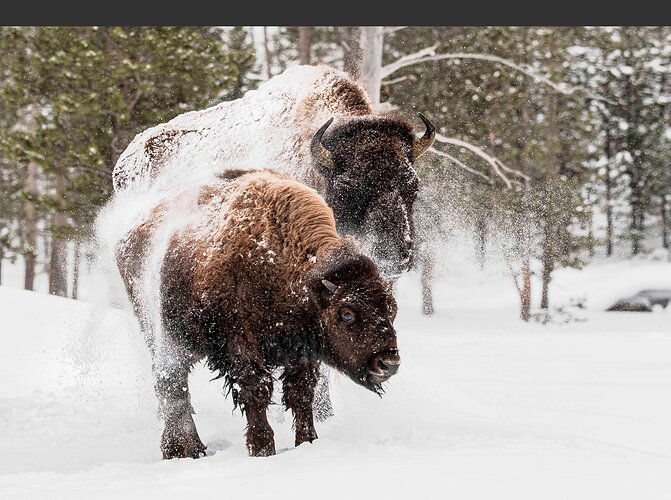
424,142
331,287
319,152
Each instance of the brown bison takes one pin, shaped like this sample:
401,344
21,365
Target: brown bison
314,123
258,279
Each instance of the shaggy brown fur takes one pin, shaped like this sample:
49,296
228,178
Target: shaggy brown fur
244,287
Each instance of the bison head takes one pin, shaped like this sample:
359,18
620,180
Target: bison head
371,184
356,310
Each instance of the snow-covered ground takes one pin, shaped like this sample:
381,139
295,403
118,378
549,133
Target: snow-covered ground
484,406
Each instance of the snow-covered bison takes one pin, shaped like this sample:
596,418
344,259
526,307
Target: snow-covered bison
258,279
362,162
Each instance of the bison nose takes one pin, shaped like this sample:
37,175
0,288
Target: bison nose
383,366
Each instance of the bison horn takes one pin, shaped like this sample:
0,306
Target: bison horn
423,143
331,287
319,152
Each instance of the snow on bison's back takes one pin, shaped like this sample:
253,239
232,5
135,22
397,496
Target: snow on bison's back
362,162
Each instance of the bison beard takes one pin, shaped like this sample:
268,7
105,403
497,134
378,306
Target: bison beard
261,281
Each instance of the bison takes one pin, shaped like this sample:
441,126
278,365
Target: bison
316,124
257,279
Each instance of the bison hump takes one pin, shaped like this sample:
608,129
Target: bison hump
269,127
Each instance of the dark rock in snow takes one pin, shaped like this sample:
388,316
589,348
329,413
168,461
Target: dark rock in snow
657,297
643,301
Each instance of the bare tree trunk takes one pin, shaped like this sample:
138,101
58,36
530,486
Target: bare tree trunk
30,224
551,219
304,45
663,209
524,239
635,173
428,264
522,255
636,224
350,39
548,265
372,38
609,197
75,271
590,236
58,284
525,231
525,298
481,237
266,54
2,256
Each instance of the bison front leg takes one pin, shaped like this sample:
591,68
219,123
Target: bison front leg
298,383
180,438
256,389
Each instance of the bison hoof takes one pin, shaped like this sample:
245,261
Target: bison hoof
182,447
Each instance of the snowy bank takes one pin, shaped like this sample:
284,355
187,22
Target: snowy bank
483,407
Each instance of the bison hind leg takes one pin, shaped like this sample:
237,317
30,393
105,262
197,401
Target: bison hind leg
180,437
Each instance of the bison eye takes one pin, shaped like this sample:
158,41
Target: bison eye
347,315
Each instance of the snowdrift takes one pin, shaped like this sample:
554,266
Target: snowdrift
483,407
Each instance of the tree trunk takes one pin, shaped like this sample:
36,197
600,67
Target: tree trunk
75,271
548,266
428,263
2,256
525,231
590,237
481,237
30,224
636,214
525,299
635,171
552,220
371,61
266,54
58,284
609,196
304,45
664,215
524,237
350,39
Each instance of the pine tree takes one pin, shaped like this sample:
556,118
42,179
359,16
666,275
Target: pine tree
240,61
90,90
